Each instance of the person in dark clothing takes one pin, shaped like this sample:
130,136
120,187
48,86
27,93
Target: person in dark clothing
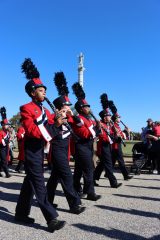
36,121
61,171
117,154
86,129
4,147
104,150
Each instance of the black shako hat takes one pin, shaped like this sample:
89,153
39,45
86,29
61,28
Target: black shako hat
61,101
32,75
61,85
80,94
104,113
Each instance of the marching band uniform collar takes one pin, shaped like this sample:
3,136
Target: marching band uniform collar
39,104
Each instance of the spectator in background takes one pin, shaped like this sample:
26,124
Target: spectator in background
11,144
146,130
20,139
154,137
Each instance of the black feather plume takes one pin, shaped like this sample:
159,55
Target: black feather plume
104,101
29,69
61,83
78,91
3,113
112,107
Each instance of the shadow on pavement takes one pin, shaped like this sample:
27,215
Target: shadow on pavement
150,187
12,197
11,185
9,197
5,215
138,197
112,233
131,211
149,179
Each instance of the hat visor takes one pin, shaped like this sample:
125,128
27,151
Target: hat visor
85,105
40,85
5,124
67,103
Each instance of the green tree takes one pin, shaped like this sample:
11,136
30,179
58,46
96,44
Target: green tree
15,120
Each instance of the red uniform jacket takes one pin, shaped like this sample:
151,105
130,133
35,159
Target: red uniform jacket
20,138
120,132
33,121
4,142
3,137
103,137
84,129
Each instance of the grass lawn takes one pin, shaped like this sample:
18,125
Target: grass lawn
127,151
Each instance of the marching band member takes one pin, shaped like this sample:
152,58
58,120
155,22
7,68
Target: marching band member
4,143
60,151
35,120
104,150
117,154
86,130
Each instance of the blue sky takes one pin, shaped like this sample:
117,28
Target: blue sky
120,40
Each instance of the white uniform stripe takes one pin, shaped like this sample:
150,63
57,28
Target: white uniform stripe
92,131
3,142
45,133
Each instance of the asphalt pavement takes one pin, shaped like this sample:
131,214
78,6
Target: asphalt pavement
129,212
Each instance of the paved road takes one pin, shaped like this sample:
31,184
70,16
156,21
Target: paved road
130,212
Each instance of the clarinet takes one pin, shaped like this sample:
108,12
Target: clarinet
58,115
117,133
127,127
50,104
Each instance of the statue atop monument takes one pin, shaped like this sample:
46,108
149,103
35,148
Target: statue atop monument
80,69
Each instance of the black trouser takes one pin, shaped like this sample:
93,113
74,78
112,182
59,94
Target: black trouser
34,182
3,159
117,155
155,150
105,163
19,165
84,166
61,172
99,169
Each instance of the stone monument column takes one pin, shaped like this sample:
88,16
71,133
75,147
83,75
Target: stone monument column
80,69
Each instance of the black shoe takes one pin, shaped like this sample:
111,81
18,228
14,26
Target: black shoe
55,205
116,185
81,194
77,209
93,197
18,171
8,175
128,177
55,224
96,184
24,219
